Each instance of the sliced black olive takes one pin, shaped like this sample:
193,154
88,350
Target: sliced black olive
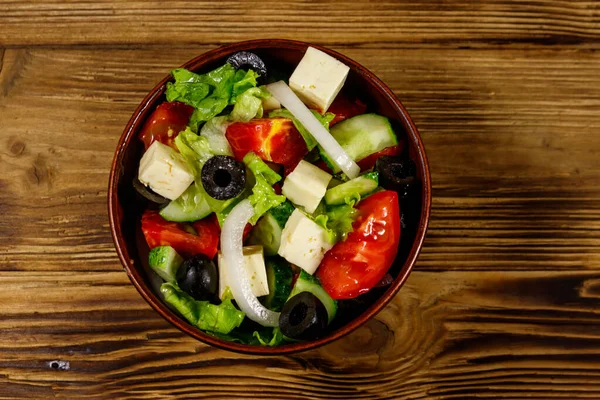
147,193
303,317
247,60
398,174
198,277
223,177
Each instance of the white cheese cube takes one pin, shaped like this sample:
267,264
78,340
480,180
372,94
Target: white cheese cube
255,269
164,171
306,185
318,78
303,242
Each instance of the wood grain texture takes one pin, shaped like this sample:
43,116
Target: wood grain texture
331,22
504,300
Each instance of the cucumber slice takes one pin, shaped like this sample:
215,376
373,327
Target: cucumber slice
267,231
282,212
361,185
176,211
279,278
362,136
309,283
165,261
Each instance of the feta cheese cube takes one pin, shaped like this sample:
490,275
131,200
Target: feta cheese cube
303,242
306,185
255,269
164,171
318,78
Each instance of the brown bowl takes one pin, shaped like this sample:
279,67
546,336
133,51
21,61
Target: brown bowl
125,208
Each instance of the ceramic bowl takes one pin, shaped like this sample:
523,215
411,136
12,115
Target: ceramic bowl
125,208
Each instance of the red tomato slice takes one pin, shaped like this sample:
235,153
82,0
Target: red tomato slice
272,139
344,108
159,232
208,228
369,161
165,123
354,266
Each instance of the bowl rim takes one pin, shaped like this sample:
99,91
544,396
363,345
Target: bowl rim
136,277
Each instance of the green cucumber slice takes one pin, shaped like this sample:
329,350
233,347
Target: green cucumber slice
176,211
267,231
361,185
165,261
362,136
279,278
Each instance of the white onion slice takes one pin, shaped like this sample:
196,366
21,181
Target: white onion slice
239,283
289,100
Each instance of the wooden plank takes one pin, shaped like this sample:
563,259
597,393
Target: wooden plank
511,138
57,22
454,334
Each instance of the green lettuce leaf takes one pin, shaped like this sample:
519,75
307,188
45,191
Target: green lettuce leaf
337,220
243,82
263,196
263,337
249,104
209,93
273,338
308,138
206,316
195,149
214,132
188,87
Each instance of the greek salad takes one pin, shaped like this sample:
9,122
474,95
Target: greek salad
272,204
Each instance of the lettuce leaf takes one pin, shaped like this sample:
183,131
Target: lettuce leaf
263,337
308,138
337,220
214,132
222,318
195,149
243,82
249,104
273,338
263,196
209,93
188,87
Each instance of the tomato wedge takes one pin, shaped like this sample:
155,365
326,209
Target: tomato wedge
354,266
272,139
344,108
160,232
165,123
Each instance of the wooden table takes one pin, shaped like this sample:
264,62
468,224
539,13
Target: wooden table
504,301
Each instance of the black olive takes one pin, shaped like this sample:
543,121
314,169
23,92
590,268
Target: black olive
223,177
245,59
398,174
198,277
303,317
148,194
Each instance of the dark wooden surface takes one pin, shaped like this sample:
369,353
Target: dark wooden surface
504,301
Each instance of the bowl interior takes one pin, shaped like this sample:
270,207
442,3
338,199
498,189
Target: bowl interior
126,207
